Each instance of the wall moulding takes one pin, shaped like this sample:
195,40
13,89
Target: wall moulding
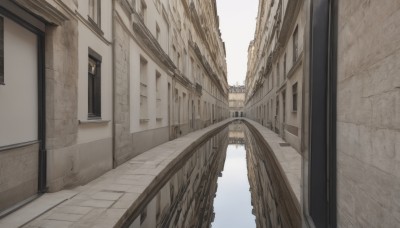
45,10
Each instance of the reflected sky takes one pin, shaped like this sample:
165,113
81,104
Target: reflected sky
232,205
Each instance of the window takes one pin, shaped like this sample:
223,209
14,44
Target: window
143,8
157,32
295,45
178,61
1,51
95,11
199,108
192,69
294,100
94,85
143,91
284,66
158,96
174,54
184,105
277,107
277,74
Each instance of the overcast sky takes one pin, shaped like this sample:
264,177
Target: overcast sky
237,23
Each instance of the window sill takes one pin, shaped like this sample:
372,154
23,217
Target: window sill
159,119
95,121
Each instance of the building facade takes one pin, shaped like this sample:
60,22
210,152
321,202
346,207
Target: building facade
236,101
275,69
341,65
172,78
102,82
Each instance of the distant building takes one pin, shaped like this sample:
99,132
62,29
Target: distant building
236,101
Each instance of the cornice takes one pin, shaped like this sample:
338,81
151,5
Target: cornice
151,42
206,65
45,10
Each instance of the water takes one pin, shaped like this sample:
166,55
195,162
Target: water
221,186
232,204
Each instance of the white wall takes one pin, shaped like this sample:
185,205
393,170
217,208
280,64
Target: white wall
92,132
19,97
152,68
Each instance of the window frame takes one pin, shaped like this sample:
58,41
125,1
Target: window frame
94,96
158,32
95,21
295,44
294,97
144,96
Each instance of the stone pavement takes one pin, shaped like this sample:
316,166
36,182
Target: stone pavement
110,199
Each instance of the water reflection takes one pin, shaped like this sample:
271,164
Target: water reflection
273,202
233,202
250,185
186,200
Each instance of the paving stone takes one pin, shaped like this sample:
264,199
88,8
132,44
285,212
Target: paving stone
64,217
107,196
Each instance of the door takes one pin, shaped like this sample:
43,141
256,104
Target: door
22,146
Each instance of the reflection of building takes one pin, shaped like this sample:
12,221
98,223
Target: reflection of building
236,133
275,69
236,101
186,200
273,202
86,85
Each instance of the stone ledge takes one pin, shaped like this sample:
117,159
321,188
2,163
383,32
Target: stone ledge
99,121
114,199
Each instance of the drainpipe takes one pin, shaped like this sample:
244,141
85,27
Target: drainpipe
42,180
114,163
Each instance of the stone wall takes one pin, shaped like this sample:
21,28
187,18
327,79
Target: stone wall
18,174
61,103
368,121
123,140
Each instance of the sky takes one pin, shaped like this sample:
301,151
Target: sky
232,205
237,23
